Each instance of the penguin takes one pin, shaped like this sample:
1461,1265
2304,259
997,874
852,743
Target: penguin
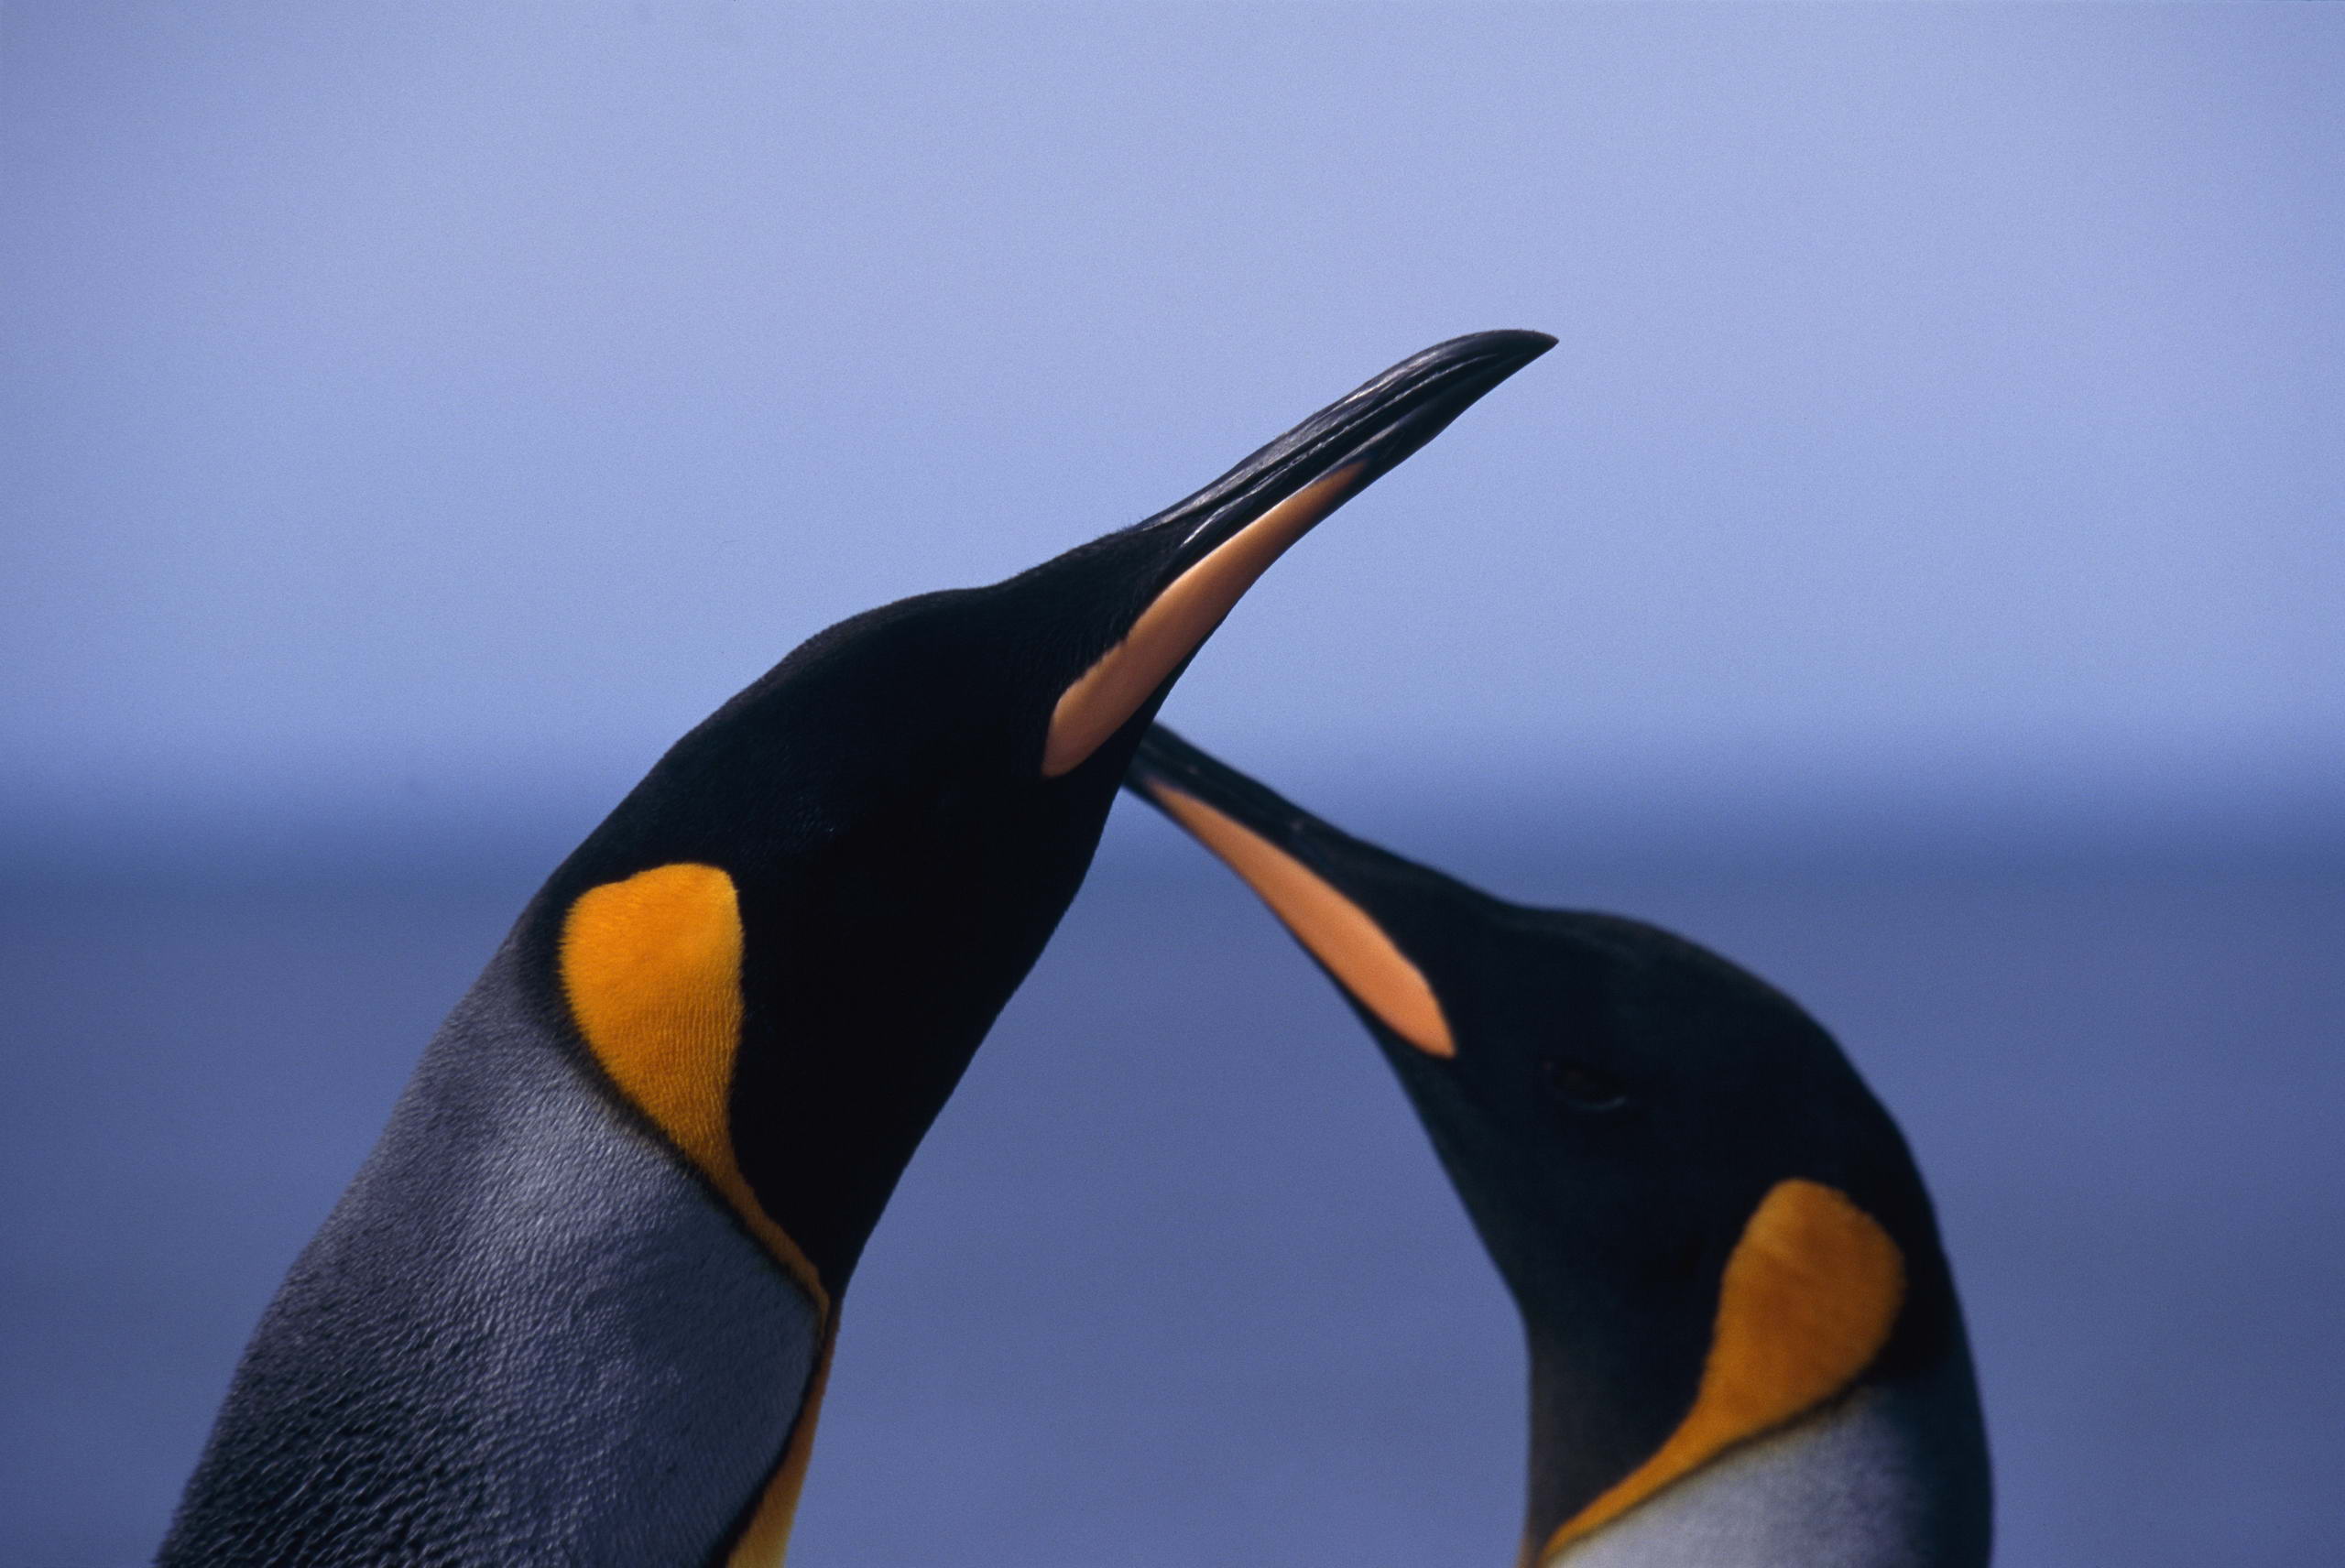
1745,1345
577,1304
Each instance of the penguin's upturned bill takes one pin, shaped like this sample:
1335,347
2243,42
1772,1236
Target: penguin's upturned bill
576,1306
1746,1350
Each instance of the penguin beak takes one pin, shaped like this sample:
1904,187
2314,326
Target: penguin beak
1215,544
1306,871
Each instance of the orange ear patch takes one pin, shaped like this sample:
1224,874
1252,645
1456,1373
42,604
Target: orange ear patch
1809,1297
652,969
1338,932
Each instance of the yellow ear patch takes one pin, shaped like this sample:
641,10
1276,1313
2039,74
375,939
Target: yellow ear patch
1338,932
652,969
1177,620
1809,1297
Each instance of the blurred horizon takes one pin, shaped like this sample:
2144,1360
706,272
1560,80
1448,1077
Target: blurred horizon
517,842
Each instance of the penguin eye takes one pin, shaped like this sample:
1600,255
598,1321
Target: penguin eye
1583,1087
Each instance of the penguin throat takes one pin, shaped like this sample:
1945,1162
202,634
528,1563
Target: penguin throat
1868,1481
1808,1298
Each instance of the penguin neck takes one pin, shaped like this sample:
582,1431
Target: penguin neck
1892,1475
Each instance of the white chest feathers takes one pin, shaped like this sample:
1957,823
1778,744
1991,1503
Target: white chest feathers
1844,1488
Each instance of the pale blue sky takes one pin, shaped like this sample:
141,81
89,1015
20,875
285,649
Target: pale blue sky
425,404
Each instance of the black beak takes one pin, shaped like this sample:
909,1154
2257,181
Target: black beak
1171,579
1338,894
1369,430
1167,763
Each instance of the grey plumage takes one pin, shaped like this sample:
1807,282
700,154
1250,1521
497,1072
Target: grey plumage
527,1335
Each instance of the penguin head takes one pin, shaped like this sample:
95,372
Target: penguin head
1035,688
830,888
1710,1225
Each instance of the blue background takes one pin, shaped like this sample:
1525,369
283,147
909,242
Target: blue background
1914,574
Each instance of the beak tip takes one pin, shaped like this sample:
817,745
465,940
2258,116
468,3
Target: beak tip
1515,346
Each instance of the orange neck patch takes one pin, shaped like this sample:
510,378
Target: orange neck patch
651,966
1336,931
1809,1297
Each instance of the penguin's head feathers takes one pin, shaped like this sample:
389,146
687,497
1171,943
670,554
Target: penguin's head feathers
917,720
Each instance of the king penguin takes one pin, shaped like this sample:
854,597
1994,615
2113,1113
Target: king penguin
576,1307
1745,1345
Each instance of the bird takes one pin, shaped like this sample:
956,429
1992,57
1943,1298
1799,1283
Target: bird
1745,1345
577,1305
